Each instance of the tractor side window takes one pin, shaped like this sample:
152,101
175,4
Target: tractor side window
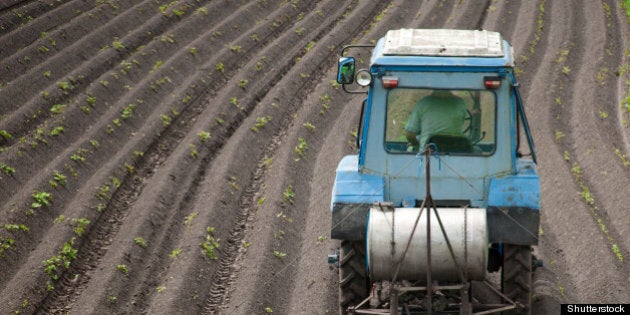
456,121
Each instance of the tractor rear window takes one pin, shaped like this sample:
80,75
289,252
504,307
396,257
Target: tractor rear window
456,121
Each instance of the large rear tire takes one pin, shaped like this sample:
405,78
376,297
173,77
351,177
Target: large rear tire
353,280
516,277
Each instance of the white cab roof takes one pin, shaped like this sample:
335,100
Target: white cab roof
443,42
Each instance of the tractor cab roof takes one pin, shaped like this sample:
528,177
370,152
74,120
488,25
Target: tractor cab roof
442,47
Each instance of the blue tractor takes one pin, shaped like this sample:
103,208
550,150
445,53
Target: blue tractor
439,193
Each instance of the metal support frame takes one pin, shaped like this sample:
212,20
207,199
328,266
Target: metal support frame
466,307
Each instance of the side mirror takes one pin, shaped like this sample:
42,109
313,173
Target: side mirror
345,70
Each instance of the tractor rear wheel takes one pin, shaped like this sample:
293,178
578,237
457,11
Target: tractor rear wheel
353,280
516,277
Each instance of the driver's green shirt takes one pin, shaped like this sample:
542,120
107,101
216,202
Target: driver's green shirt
439,113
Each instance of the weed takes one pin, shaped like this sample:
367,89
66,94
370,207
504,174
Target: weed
192,50
160,289
112,299
123,268
260,123
41,199
321,239
210,244
566,70
268,310
141,242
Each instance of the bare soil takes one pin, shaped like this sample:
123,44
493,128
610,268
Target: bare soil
172,127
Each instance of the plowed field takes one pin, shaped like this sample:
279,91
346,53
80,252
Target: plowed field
177,157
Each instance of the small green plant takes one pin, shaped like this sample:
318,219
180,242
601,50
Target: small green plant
193,151
603,114
310,127
301,147
141,242
559,136
236,49
166,120
6,135
58,108
192,50
232,183
268,310
79,226
204,136
59,178
117,44
280,255
112,299
242,83
617,252
57,131
288,195
210,244
123,269
102,192
220,67
127,111
41,199
189,218
260,123
6,169
174,253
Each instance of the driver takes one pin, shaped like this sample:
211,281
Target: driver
441,112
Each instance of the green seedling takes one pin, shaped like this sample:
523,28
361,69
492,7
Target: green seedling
123,269
58,108
189,218
79,226
210,244
6,169
204,136
288,195
141,242
280,255
260,123
174,253
6,135
41,199
301,147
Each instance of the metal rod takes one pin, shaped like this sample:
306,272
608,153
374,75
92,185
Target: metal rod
427,154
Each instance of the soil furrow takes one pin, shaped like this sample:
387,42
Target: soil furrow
231,123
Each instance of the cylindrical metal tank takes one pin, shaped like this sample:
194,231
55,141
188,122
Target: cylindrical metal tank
466,229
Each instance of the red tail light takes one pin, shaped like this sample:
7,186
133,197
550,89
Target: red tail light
390,82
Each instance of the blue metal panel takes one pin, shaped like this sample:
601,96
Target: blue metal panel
353,187
520,190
